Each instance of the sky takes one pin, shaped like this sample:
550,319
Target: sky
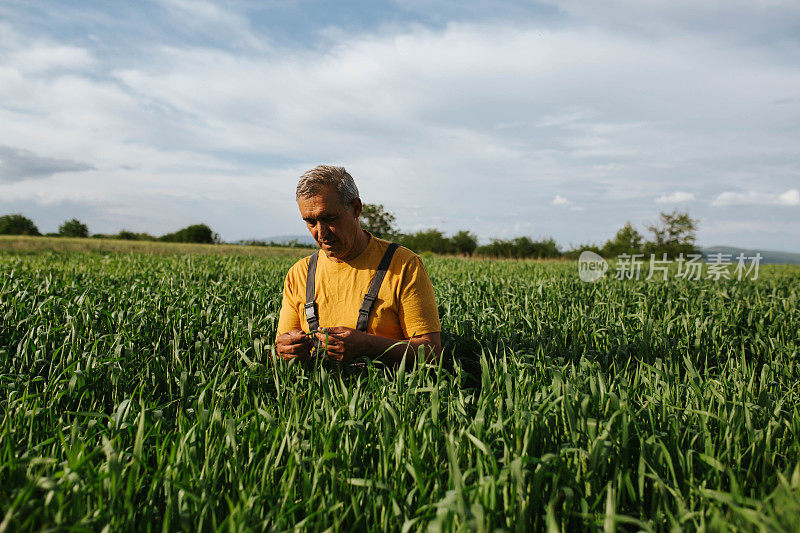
505,118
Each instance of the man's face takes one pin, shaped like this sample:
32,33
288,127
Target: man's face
334,226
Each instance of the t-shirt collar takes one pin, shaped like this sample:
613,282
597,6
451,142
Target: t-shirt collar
355,262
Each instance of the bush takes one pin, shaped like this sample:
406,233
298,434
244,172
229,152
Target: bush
464,242
521,247
73,228
126,235
197,233
16,224
575,253
435,241
292,243
431,240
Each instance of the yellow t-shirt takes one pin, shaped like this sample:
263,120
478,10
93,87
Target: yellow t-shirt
405,305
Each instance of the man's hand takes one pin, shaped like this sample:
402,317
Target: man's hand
344,343
293,344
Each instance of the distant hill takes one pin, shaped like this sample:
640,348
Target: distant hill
768,257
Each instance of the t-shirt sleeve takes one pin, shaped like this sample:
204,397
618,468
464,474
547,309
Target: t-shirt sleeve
418,312
289,319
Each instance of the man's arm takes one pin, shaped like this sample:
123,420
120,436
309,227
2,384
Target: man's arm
345,344
395,350
291,342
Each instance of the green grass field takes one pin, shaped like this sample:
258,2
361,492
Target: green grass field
139,392
25,244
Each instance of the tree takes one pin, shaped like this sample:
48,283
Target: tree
376,220
626,241
521,247
545,249
197,233
464,242
431,240
673,234
16,224
126,235
73,228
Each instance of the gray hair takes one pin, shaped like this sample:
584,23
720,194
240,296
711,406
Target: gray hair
328,175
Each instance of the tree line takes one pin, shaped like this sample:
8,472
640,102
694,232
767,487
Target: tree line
17,224
673,234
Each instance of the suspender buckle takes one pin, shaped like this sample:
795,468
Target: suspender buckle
366,305
311,313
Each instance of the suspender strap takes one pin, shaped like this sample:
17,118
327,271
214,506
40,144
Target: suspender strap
369,299
372,293
311,305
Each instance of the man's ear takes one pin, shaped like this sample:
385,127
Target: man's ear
357,207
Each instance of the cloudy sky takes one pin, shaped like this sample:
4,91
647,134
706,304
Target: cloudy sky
507,118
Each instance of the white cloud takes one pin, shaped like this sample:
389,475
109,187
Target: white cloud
729,198
214,21
35,53
675,198
560,201
43,57
790,197
565,118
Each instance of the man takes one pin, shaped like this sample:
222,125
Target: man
403,315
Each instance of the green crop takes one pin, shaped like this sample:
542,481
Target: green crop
140,392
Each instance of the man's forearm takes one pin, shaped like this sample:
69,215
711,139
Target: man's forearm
392,350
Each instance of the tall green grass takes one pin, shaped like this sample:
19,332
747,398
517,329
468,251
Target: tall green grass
139,392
